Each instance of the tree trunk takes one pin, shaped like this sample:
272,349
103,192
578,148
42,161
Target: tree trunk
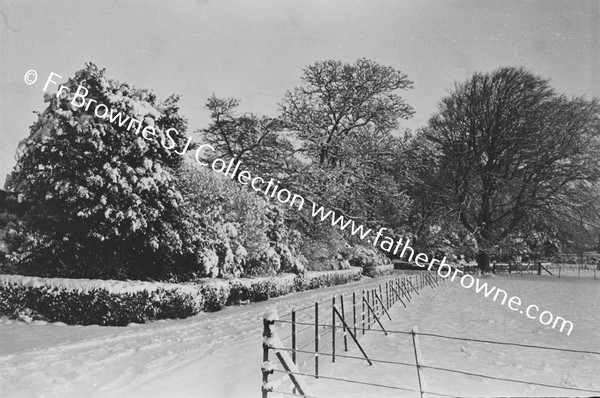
483,261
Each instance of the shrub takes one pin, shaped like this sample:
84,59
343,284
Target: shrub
380,270
261,289
215,295
118,303
325,279
108,303
324,249
245,235
97,199
368,259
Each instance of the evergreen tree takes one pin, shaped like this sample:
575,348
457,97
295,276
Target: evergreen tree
98,196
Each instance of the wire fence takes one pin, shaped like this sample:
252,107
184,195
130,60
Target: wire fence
316,336
558,270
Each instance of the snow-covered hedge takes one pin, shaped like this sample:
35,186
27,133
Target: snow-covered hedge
380,270
100,302
372,262
264,288
316,279
110,302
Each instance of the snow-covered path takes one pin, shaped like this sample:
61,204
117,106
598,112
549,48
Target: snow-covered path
219,354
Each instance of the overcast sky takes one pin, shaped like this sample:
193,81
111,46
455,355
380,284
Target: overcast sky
255,50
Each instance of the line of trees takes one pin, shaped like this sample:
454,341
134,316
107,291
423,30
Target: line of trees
506,165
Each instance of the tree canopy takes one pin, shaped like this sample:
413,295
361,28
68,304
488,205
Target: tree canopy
339,99
98,199
89,197
344,118
506,164
259,142
514,150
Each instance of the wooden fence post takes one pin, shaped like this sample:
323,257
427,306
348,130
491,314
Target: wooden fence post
267,369
272,342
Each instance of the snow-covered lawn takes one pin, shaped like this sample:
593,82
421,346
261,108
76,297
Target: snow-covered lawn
453,311
220,354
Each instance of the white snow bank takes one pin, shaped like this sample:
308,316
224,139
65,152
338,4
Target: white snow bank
351,270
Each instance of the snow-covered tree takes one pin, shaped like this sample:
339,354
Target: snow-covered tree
96,194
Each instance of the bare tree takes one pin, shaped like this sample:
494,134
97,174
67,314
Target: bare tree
259,142
343,117
512,149
340,99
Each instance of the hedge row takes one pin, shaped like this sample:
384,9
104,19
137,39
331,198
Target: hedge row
381,270
117,303
87,302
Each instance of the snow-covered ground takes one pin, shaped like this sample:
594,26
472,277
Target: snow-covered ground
453,311
220,354
209,355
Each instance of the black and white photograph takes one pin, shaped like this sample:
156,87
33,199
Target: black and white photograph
309,198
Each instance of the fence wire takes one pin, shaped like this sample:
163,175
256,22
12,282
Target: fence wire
386,299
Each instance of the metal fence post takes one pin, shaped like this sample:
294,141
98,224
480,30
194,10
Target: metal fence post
363,311
418,358
344,320
317,340
333,329
354,311
294,335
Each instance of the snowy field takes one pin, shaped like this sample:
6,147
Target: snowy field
220,354
453,311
